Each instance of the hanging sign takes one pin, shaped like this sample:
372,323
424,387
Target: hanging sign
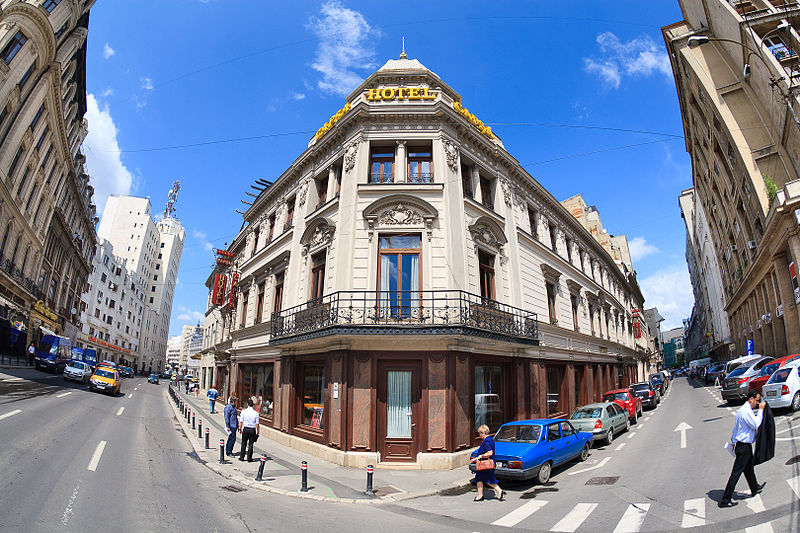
218,294
232,298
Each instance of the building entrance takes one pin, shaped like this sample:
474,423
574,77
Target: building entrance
399,411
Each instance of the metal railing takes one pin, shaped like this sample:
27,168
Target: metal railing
381,177
16,273
405,313
420,177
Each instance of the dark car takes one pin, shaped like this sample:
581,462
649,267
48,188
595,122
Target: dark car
658,386
647,393
662,379
714,373
165,375
153,378
126,371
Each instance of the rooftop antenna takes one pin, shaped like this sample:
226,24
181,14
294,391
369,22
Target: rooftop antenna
172,197
403,53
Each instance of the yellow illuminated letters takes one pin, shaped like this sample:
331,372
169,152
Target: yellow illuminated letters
400,93
333,120
464,112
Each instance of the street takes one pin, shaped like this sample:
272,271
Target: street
80,461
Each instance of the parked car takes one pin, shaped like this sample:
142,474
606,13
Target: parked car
105,379
663,377
165,375
153,378
782,389
77,371
529,449
53,353
109,364
767,370
736,386
715,372
626,399
733,364
602,420
647,393
658,385
126,371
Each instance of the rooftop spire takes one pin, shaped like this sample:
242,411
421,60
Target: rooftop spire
403,53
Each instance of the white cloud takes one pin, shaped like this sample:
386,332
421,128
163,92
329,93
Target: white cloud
637,57
108,51
345,39
103,156
188,315
640,248
147,84
298,96
201,236
108,92
670,290
197,234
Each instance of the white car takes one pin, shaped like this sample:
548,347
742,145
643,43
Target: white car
77,371
783,387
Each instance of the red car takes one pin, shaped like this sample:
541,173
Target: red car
626,399
757,381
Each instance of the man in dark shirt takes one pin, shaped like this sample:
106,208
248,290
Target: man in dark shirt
231,425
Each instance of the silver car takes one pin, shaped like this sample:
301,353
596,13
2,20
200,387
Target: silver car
602,420
77,371
736,385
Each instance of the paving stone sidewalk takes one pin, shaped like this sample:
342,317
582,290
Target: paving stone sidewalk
326,481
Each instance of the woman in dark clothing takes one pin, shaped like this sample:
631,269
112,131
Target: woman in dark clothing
486,451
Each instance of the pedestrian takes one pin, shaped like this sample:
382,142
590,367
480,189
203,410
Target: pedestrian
486,452
250,429
196,389
231,424
748,420
186,384
212,398
31,352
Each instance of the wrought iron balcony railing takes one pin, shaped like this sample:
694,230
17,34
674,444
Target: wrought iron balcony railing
404,313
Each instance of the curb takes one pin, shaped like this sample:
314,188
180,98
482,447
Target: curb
261,485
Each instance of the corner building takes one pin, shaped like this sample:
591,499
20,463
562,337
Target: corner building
405,281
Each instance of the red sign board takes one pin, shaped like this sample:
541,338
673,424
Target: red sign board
234,282
218,294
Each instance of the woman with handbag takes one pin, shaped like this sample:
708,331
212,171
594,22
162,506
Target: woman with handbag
484,466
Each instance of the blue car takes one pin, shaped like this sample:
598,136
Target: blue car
529,449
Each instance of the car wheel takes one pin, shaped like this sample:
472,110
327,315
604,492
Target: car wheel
610,436
584,453
544,473
796,401
627,424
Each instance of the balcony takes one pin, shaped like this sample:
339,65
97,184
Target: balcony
404,313
16,273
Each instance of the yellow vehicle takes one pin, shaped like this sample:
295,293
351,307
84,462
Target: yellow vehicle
105,379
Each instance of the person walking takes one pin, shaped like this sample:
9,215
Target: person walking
231,424
31,352
250,430
486,451
212,398
748,420
186,384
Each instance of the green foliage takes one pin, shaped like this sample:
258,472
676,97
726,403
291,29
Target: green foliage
772,189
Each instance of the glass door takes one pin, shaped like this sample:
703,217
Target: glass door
399,398
398,403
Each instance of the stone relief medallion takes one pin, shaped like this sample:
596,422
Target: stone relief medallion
400,215
301,194
350,154
451,154
481,233
322,236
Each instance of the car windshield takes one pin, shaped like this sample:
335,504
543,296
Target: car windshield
615,396
780,376
590,412
738,372
104,373
522,433
769,369
75,364
153,376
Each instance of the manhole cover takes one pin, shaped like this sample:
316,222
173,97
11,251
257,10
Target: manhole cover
233,488
609,480
793,460
457,491
386,489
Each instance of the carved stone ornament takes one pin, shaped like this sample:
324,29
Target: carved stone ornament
400,215
301,194
482,234
507,192
322,236
350,154
451,154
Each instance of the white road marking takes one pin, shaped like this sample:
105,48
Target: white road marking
683,427
575,518
96,456
633,518
120,411
632,434
619,447
519,514
795,484
63,394
68,510
10,413
766,527
755,504
694,513
595,467
136,388
13,379
130,395
788,438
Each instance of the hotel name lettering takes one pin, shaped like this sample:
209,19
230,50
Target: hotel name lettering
400,93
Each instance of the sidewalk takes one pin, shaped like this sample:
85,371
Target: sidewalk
326,481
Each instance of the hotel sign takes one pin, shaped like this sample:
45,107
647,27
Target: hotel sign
464,112
331,121
400,93
45,311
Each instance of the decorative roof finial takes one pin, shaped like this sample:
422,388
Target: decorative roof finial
403,53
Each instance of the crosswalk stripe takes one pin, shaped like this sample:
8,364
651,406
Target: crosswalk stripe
766,527
694,512
10,413
633,518
755,504
521,513
575,518
130,396
120,411
795,484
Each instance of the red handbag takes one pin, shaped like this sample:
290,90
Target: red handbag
484,464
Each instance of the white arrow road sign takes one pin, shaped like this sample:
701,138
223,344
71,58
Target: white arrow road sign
682,427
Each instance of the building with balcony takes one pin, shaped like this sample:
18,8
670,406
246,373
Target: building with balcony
405,281
736,72
47,216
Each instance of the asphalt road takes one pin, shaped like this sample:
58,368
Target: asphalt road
79,461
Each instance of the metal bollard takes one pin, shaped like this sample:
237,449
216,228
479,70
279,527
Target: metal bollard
261,468
193,426
222,451
199,428
369,491
188,415
304,476
206,438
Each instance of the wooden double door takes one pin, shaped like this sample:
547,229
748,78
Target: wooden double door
399,410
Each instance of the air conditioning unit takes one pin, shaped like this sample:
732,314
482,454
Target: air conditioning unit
733,247
751,244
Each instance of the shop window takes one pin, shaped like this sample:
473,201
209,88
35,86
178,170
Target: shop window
466,181
266,393
381,161
555,380
419,165
312,395
489,396
486,269
399,275
487,197
317,275
277,303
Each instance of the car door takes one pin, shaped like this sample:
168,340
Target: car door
554,443
571,445
618,419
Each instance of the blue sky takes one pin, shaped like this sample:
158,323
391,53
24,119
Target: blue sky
218,93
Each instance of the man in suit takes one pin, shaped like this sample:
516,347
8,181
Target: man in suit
748,420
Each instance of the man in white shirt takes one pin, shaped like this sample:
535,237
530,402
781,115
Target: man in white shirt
249,430
748,418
